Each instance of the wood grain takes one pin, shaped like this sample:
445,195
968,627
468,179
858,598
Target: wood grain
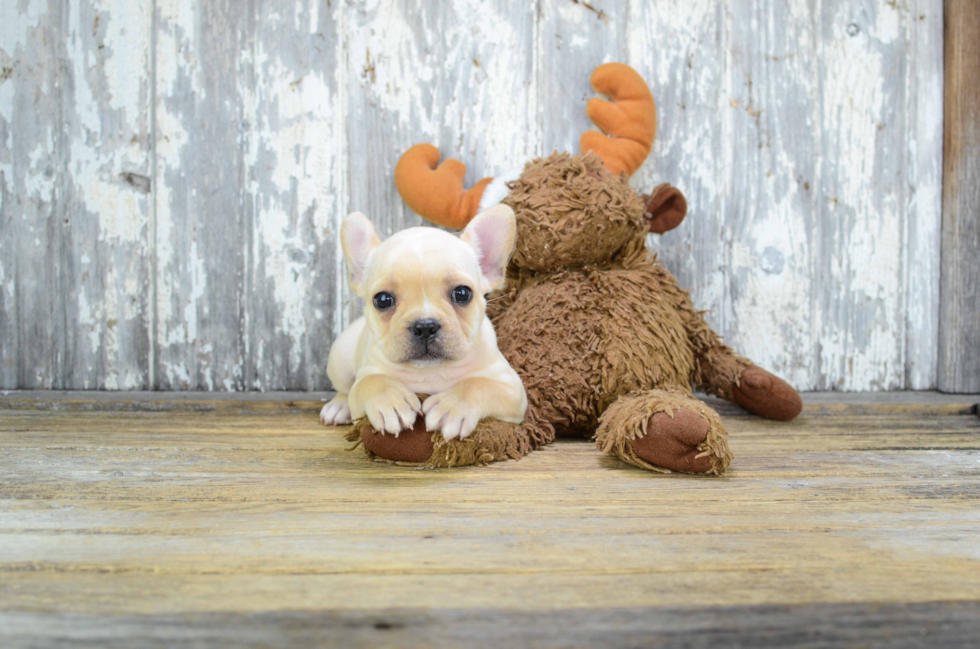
295,194
74,178
250,174
573,39
895,626
859,232
772,246
959,323
201,240
921,249
920,403
168,525
171,190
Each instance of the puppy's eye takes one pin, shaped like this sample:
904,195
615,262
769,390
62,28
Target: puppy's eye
462,295
384,301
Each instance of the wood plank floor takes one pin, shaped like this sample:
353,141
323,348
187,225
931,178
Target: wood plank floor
149,522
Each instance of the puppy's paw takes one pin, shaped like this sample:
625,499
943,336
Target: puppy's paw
336,412
393,410
452,414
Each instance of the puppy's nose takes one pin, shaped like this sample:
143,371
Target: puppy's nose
425,329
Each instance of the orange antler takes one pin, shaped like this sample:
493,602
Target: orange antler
436,192
630,119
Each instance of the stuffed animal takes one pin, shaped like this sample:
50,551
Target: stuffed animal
606,342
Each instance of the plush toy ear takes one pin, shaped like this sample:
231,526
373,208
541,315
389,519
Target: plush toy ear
492,235
358,238
664,209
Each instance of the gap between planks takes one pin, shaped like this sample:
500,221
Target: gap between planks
922,403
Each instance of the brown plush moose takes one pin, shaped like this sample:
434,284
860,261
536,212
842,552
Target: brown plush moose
605,341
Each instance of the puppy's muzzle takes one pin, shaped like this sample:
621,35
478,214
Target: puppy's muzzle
425,330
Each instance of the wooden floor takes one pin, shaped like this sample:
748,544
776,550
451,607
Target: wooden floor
173,519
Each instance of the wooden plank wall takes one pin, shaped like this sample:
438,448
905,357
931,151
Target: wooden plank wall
959,324
172,174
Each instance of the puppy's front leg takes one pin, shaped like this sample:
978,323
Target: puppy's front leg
388,404
458,410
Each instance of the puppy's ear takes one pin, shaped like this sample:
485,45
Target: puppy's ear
492,234
358,238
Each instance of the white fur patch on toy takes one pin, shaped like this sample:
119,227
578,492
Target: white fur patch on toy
497,190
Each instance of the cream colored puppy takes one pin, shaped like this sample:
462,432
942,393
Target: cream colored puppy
425,329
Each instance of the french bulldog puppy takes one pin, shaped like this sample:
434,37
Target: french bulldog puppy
425,329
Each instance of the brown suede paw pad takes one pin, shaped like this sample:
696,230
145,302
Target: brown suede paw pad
766,395
413,445
672,442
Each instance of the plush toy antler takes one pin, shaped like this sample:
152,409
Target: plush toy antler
629,120
436,192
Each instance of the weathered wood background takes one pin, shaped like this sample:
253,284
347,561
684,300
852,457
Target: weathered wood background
173,173
959,285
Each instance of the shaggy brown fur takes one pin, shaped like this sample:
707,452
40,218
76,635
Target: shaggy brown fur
606,342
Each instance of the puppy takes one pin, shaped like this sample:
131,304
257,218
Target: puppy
425,329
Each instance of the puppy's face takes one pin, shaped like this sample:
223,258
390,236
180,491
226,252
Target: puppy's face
424,288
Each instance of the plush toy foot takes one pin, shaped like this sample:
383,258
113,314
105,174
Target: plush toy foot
413,446
491,441
665,430
672,441
766,394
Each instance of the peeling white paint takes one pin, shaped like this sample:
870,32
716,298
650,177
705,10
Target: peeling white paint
41,184
806,137
924,98
866,250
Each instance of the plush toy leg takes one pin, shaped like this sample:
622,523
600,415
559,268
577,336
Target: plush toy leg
665,430
733,378
736,379
766,394
492,441
720,371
